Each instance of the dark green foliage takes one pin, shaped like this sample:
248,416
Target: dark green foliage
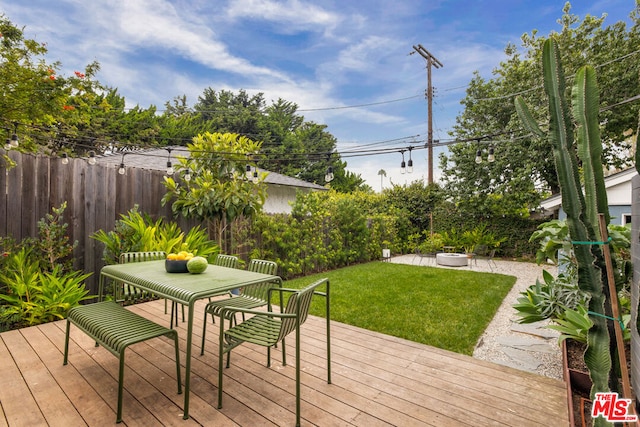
513,228
524,163
136,232
416,200
33,296
37,282
53,242
52,249
326,230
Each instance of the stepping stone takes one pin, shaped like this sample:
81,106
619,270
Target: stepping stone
526,344
523,359
535,329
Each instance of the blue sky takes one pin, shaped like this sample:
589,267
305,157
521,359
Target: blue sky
345,63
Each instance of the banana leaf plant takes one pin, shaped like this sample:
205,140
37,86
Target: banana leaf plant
582,209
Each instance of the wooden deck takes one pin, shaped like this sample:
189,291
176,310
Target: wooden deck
378,380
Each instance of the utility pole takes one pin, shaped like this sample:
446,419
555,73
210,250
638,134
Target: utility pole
431,62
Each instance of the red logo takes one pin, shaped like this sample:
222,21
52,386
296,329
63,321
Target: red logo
612,408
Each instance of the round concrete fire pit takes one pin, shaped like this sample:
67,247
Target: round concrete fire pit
451,260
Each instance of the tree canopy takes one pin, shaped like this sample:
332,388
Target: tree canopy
76,114
214,185
523,171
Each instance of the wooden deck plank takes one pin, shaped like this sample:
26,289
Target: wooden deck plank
19,405
377,381
143,403
442,379
54,406
88,404
446,381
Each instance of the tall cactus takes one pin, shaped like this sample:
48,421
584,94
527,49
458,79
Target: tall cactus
581,211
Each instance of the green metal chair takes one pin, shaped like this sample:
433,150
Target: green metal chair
271,327
483,252
128,294
226,261
250,297
430,256
131,294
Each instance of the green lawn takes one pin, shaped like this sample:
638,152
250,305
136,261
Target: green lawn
441,307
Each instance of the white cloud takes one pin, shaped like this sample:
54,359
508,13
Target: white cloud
364,55
153,23
294,15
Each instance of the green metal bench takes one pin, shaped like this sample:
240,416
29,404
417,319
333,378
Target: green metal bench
115,328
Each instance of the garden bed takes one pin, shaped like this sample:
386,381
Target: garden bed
576,375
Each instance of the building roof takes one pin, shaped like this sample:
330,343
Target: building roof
610,182
156,159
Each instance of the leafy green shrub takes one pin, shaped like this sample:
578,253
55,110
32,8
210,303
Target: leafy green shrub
136,232
34,296
52,247
574,324
431,244
37,280
55,250
326,230
552,236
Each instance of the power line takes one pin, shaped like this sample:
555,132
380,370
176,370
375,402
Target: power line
360,105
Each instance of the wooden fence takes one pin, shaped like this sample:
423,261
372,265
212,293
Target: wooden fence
96,195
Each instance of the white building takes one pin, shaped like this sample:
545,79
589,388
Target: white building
618,187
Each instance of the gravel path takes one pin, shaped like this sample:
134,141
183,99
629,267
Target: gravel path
532,348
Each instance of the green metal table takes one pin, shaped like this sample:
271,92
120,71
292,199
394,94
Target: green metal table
183,288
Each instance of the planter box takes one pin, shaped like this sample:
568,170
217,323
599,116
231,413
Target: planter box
578,384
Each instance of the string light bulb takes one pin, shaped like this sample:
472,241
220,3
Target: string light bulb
478,157
328,177
248,172
170,170
65,159
403,164
187,175
491,158
14,137
121,169
92,158
255,176
410,163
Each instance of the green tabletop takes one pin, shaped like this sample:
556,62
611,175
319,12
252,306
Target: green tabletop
184,288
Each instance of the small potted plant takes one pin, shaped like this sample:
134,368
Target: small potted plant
470,239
